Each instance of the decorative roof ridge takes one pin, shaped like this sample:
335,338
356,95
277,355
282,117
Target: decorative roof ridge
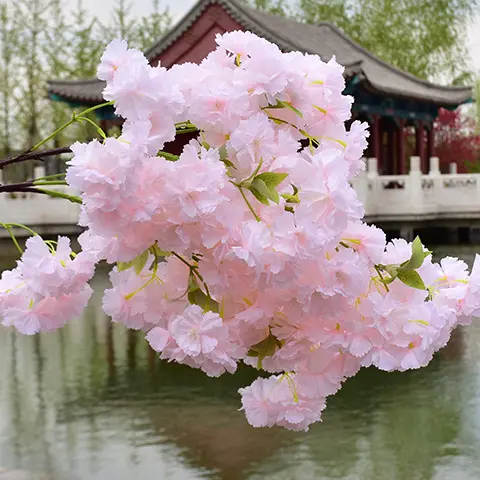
179,28
238,12
388,65
84,81
247,18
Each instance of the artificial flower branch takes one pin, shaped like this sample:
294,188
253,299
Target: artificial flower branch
294,283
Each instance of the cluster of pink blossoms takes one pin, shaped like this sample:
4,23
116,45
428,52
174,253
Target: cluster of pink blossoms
250,245
47,288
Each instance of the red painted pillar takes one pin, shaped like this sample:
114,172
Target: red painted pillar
420,144
430,142
401,147
376,141
390,161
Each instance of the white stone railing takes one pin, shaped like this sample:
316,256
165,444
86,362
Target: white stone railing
416,196
411,197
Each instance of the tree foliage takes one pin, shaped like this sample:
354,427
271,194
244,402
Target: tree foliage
421,37
32,17
456,141
38,41
140,33
9,75
152,27
276,7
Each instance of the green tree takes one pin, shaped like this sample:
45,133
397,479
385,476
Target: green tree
32,20
122,24
345,14
9,75
85,47
422,37
56,50
275,7
85,43
139,32
153,26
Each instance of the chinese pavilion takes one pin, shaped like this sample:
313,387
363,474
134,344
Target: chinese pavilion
390,100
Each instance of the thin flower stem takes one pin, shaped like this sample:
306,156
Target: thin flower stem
74,119
382,279
97,127
175,254
55,194
53,134
30,154
12,236
8,227
48,177
96,107
168,156
193,270
257,218
20,225
306,134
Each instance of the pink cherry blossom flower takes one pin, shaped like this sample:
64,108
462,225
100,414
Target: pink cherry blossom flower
116,55
195,332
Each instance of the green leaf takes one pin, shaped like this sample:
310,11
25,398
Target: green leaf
291,198
278,121
121,266
266,348
228,163
140,262
417,258
197,297
222,151
137,263
411,278
387,281
272,179
264,186
262,193
391,270
259,196
161,253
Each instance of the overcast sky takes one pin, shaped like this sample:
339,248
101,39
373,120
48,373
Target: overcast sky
102,9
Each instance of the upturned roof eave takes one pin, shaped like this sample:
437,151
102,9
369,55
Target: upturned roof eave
465,95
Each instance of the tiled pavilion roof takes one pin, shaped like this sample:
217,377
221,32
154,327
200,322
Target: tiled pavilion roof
323,39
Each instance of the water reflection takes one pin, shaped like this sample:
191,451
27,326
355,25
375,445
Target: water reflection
92,401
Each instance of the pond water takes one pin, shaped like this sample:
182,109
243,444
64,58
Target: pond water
92,401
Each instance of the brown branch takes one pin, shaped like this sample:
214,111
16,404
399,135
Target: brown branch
23,190
33,156
16,187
